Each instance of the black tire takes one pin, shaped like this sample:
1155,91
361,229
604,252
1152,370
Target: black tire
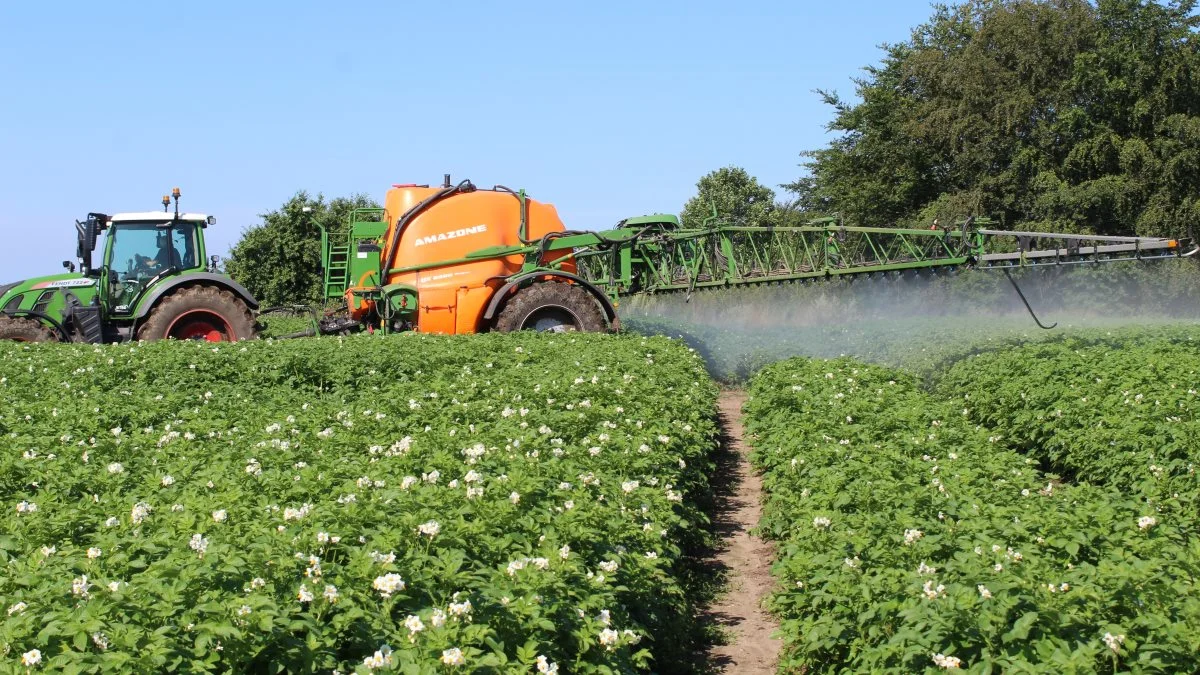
552,306
25,330
199,313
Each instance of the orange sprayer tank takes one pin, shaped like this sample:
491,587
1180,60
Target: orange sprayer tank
452,293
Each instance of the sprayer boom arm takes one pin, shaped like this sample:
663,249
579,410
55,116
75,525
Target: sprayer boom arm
1068,248
659,256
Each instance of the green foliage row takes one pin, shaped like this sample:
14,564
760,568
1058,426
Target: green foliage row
1101,408
499,503
912,539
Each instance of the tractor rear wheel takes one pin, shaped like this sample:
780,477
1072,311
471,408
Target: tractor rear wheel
199,313
25,330
552,306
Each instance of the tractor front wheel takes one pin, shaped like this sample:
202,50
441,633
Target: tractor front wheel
199,313
25,330
552,306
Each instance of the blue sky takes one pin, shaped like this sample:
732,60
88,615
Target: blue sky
606,110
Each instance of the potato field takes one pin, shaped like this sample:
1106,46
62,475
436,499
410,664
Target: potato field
1032,511
544,503
496,503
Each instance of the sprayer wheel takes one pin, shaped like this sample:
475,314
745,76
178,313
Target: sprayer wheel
25,330
552,306
199,313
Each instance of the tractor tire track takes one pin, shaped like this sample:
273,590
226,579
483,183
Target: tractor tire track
742,559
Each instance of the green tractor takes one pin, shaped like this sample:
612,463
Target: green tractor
153,283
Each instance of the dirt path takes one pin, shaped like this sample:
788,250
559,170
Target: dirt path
744,560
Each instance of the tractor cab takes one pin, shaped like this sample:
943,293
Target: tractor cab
142,248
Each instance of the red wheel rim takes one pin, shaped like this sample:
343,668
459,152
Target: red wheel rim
201,325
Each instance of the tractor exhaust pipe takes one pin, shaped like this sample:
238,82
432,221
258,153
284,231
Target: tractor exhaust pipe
446,180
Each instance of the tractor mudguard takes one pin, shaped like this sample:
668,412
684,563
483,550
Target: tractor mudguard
205,278
516,281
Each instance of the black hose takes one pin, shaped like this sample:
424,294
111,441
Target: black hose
413,213
523,228
294,309
544,244
1018,289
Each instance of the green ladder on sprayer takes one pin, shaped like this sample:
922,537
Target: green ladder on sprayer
336,269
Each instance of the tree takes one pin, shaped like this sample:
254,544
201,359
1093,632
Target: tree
1049,114
279,260
738,196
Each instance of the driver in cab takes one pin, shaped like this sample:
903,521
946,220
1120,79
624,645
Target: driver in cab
147,266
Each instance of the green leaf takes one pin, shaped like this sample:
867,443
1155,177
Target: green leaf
1021,627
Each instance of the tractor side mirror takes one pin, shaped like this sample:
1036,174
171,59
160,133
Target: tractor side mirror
67,264
88,231
87,237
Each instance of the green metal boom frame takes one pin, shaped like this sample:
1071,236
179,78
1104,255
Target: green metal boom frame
656,255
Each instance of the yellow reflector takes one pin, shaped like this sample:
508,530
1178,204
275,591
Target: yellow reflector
1171,243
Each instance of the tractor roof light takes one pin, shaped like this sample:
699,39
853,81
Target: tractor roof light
166,202
211,220
174,193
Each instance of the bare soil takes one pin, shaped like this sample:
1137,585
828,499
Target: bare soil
742,559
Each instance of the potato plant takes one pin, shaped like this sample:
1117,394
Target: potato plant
500,503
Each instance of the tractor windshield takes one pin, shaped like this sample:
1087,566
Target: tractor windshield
138,250
145,250
141,251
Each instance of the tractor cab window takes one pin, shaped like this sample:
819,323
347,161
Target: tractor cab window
183,240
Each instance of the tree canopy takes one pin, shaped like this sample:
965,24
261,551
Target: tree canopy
279,260
1048,114
738,197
